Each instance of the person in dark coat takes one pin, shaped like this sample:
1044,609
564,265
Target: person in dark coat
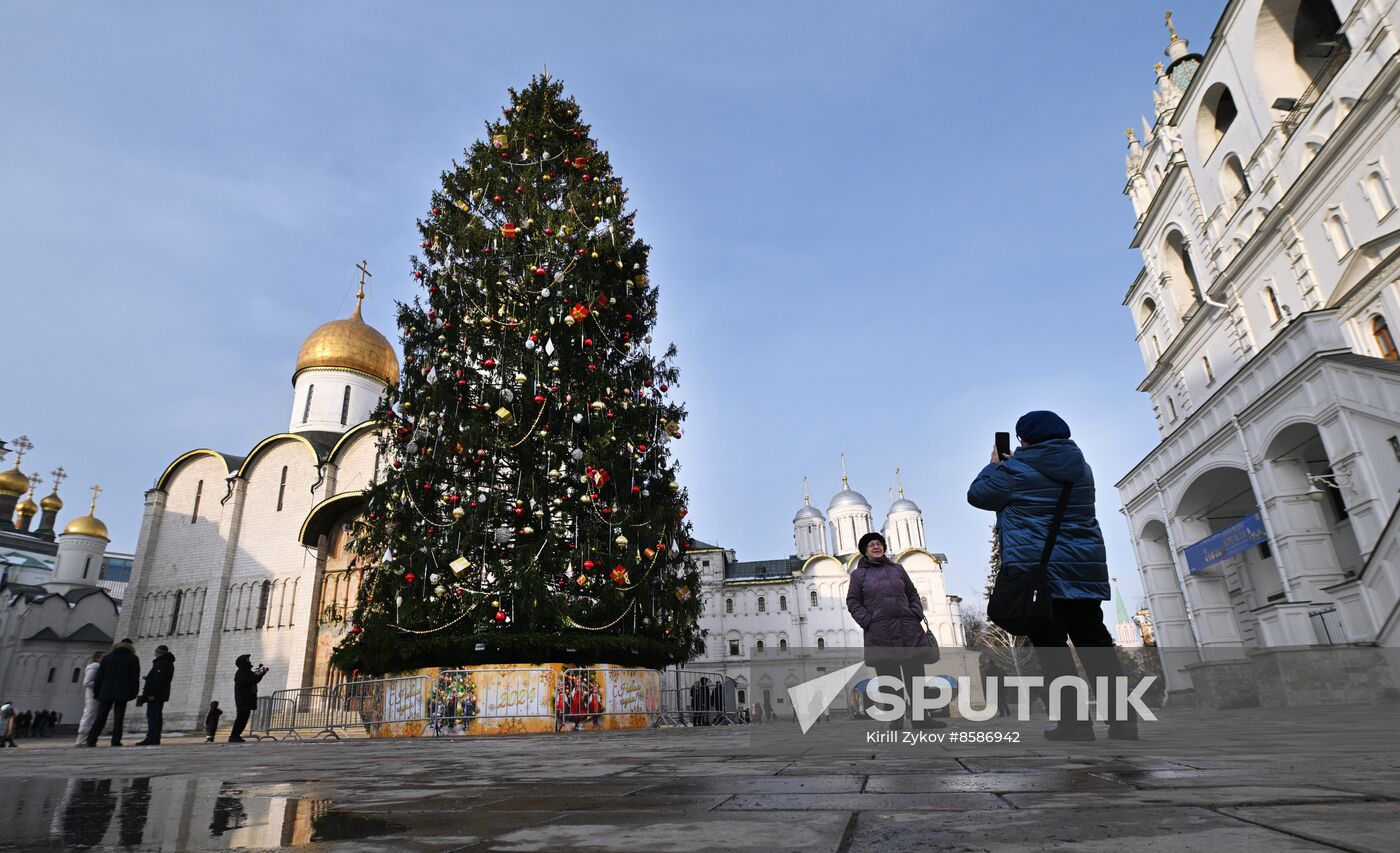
245,694
211,721
885,604
1024,490
157,693
118,682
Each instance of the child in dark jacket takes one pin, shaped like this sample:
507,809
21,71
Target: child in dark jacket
211,721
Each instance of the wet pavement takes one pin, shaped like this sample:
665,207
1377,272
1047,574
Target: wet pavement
1280,780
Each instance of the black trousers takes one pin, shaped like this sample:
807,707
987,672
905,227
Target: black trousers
1078,621
155,721
240,721
118,712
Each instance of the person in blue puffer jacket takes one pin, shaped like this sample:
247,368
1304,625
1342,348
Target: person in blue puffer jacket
1023,490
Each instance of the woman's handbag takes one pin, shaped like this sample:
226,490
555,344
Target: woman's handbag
934,653
1020,601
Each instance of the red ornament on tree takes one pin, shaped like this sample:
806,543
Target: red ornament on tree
410,577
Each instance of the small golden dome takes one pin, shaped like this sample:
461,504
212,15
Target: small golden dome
27,507
88,525
350,344
52,502
13,482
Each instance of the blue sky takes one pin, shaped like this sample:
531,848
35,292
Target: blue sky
887,229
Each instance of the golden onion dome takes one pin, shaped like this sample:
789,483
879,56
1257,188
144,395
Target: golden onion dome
27,507
13,482
88,525
350,344
52,502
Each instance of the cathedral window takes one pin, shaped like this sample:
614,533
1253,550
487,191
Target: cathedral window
77,673
821,642
306,412
729,605
1171,409
758,646
782,603
198,493
282,488
1181,272
1271,302
1214,118
1377,190
1384,341
734,648
813,595
1337,233
175,612
762,605
1210,372
87,566
264,598
1156,347
345,406
782,645
53,670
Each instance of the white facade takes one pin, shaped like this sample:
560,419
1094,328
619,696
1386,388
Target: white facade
244,554
751,611
1271,277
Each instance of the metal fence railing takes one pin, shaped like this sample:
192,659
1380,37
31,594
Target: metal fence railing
1327,625
343,708
585,697
692,698
462,695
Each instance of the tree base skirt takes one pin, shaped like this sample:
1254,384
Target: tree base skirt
521,698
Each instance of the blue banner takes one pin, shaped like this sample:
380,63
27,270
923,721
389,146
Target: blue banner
1224,544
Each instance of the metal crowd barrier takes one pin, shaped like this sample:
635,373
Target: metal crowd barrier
329,712
582,702
511,693
693,698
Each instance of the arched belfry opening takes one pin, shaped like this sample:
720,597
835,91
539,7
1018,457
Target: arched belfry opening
1298,48
1185,287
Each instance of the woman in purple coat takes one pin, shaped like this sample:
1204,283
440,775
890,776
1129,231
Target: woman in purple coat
885,604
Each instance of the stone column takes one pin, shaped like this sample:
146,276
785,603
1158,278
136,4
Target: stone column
146,541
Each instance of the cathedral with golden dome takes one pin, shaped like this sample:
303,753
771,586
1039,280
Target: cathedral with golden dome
60,591
243,552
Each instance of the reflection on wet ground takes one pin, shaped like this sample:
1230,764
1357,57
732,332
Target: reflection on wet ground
172,813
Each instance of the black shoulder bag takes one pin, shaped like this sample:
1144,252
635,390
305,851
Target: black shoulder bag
1020,601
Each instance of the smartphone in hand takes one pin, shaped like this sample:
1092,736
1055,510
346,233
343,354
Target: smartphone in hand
1004,445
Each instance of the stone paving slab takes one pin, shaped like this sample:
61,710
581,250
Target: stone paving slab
1051,780
1155,830
1353,826
1244,795
1245,788
864,802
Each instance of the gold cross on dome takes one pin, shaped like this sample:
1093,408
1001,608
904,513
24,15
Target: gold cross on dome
363,267
59,475
1171,29
899,482
845,481
22,446
34,481
806,495
93,508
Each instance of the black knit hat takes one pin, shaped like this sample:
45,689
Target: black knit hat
868,538
1038,426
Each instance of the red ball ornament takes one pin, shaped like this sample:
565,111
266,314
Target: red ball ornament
540,271
355,629
549,231
436,211
519,511
636,490
490,362
588,342
398,463
539,398
589,565
665,387
410,577
418,274
500,616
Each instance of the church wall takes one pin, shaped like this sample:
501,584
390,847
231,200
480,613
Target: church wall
28,684
355,462
267,611
327,410
188,556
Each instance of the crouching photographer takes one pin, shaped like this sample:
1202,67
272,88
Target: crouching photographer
1054,570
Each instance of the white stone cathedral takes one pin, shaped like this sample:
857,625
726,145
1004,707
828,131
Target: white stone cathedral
1266,516
245,553
752,610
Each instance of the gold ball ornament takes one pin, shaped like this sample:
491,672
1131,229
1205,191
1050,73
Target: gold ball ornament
458,512
620,541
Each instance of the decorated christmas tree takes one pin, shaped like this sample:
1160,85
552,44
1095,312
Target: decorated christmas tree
530,510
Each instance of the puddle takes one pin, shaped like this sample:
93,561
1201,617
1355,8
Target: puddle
172,814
